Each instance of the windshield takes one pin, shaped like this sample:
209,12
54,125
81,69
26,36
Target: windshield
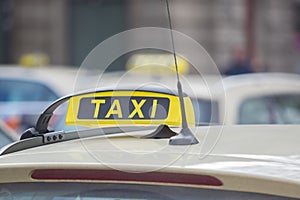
94,191
270,109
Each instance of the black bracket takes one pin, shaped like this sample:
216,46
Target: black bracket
162,131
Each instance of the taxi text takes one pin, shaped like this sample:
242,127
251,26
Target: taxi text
123,107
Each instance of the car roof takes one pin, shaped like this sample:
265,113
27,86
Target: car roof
261,79
242,157
230,141
58,78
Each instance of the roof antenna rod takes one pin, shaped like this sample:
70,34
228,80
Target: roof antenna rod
185,137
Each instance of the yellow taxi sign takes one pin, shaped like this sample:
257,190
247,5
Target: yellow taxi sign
34,59
156,64
127,107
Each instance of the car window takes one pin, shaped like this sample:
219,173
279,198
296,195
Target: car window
98,191
254,111
4,139
206,111
287,108
19,90
272,109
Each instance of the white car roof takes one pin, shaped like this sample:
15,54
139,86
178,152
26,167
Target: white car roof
259,80
245,158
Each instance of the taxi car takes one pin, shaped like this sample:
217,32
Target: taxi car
128,152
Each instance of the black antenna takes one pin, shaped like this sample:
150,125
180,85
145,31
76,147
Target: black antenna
185,137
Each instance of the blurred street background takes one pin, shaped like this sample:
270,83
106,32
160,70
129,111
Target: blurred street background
266,32
43,43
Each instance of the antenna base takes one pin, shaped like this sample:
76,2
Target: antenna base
185,137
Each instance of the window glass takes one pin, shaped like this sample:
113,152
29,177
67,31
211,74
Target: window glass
100,191
287,108
4,139
19,90
272,109
206,111
254,111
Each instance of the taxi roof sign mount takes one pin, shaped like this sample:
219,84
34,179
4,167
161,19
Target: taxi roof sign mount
108,106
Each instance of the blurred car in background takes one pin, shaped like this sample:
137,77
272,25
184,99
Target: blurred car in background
26,92
257,98
7,135
261,98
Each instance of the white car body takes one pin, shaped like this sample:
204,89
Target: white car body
242,87
255,159
57,81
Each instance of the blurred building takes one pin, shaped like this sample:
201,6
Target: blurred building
263,28
68,30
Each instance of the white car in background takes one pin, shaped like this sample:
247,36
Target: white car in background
26,92
260,98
